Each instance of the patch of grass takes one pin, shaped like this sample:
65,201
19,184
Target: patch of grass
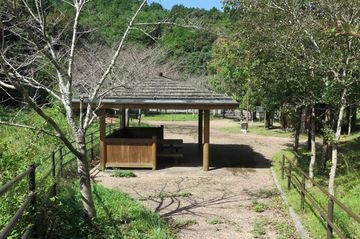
267,193
259,206
173,117
118,216
215,221
259,129
259,228
123,174
183,223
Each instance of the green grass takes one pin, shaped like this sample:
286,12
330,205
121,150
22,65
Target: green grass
123,174
179,224
215,221
259,228
259,206
259,129
173,117
347,191
118,216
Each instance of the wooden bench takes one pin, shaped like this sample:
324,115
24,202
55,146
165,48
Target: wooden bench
169,148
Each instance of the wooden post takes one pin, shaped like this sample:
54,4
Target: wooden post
154,153
53,171
206,140
61,161
302,203
102,141
123,119
283,167
289,176
200,130
330,218
32,192
127,118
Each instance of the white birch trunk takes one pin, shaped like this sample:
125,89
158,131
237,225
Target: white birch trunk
313,144
84,177
334,156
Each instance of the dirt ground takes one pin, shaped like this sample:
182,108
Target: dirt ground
236,199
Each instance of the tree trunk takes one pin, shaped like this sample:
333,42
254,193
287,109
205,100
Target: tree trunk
267,120
350,120
325,154
313,143
84,178
296,139
283,123
297,126
334,157
139,118
303,120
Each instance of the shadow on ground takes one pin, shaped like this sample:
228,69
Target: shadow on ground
221,156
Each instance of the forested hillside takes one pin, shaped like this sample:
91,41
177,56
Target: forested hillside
292,61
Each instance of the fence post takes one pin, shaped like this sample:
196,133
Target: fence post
330,218
32,191
289,176
283,167
61,161
110,127
303,193
92,145
53,171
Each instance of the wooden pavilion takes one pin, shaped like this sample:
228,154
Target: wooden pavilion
136,147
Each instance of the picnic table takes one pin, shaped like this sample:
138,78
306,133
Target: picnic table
169,148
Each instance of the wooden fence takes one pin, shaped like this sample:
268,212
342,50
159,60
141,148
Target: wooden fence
30,174
288,169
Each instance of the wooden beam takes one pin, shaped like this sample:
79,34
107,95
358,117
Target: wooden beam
206,140
102,140
154,154
123,118
200,130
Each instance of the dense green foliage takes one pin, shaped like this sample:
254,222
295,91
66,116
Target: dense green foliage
118,216
186,35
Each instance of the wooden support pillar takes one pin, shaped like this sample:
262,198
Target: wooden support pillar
102,140
127,118
206,140
200,130
123,119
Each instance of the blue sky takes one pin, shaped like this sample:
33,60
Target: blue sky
207,4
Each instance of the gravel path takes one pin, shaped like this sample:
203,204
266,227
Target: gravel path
235,199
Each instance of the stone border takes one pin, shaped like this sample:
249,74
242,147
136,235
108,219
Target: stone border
298,225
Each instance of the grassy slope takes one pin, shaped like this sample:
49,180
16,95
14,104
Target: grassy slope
347,188
118,216
20,147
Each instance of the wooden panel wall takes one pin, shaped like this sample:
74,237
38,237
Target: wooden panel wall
131,153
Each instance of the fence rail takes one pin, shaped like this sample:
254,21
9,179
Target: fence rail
30,201
287,169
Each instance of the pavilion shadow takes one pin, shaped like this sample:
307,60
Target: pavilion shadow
221,156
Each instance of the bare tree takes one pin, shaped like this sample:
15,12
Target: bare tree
43,47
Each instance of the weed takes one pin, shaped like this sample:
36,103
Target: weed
215,221
183,223
259,206
267,193
259,228
123,174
